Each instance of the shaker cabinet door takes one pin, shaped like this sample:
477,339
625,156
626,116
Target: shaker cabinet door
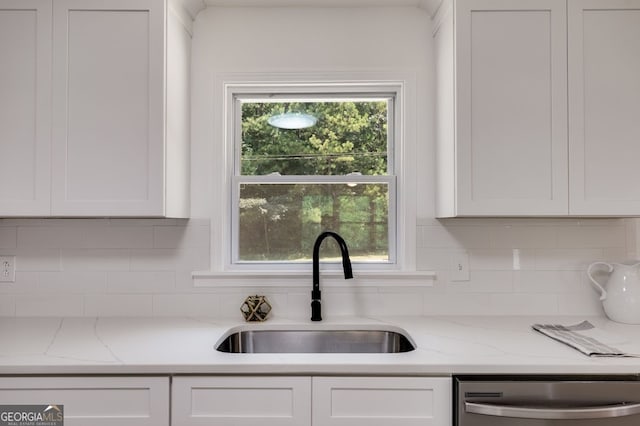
511,107
381,401
94,401
604,107
108,94
241,401
25,107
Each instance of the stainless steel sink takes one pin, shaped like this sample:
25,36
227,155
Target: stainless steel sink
316,341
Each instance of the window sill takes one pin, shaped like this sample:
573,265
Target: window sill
303,279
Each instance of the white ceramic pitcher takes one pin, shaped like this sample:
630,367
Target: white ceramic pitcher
621,295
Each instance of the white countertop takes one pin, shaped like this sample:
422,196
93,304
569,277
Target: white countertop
445,345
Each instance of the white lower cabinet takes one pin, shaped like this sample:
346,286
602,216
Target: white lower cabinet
95,401
317,401
241,401
381,401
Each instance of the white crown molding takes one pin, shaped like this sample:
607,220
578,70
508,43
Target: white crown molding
195,6
431,6
191,7
315,3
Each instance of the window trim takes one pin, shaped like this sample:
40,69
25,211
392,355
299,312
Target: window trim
403,84
237,178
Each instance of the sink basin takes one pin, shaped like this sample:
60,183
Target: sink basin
316,341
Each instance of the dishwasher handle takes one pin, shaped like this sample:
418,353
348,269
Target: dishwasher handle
591,412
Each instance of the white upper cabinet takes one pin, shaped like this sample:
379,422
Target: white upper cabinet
604,113
25,107
109,97
104,131
502,115
520,132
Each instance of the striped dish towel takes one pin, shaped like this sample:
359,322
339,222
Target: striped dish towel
584,337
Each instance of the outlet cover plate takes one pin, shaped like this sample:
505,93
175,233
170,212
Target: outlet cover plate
460,265
7,269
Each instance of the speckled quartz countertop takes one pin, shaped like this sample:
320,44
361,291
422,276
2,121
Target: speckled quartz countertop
445,345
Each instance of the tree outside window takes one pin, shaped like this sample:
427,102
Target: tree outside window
292,184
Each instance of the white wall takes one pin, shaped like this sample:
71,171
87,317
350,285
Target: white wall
288,40
142,267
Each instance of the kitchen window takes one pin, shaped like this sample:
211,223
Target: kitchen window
308,159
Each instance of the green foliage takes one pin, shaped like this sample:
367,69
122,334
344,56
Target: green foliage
348,137
281,222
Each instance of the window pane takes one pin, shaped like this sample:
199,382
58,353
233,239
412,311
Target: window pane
281,222
347,137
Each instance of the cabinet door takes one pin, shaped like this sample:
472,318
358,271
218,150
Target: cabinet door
25,107
604,106
108,94
511,107
381,401
95,401
241,401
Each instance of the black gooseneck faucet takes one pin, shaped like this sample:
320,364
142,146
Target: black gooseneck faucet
316,306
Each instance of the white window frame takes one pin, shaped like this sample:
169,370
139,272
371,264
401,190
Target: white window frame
403,85
293,94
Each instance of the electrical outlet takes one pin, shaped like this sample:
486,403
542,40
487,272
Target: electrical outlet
7,269
460,266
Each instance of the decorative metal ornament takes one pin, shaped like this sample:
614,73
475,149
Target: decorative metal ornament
255,308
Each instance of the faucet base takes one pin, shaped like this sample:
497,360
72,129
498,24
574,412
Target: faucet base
316,309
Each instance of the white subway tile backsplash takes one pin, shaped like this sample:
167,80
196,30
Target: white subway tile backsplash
49,305
432,259
581,303
189,258
7,305
140,281
26,282
546,281
566,259
618,255
592,236
145,222
523,237
142,267
299,305
51,237
116,305
181,236
524,304
121,237
499,259
8,237
455,237
154,260
35,259
74,282
207,305
345,301
484,282
457,304
95,259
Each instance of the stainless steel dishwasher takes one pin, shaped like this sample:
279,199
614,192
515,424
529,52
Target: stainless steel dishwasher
547,401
